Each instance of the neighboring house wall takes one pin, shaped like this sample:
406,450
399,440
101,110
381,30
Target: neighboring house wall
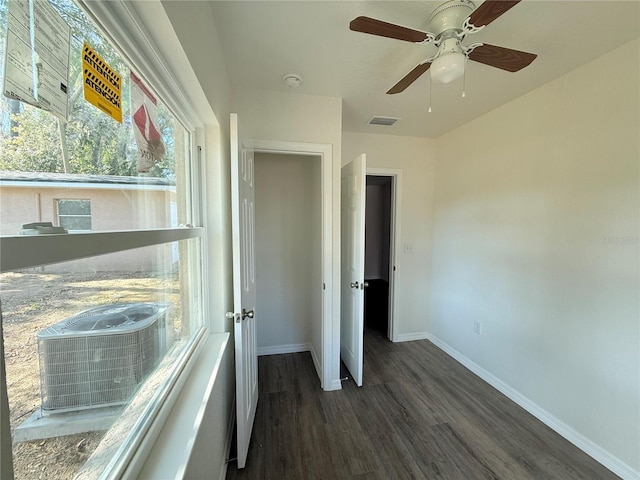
536,236
111,209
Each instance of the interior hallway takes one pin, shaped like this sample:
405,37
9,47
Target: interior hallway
419,415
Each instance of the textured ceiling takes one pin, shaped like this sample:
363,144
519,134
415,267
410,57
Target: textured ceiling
262,40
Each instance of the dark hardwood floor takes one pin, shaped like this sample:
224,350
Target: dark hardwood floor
419,415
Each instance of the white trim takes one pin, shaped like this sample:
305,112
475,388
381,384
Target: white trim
280,349
410,337
27,251
172,451
135,448
598,453
394,273
330,252
334,385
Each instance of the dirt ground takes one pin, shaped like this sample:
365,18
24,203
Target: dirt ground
29,303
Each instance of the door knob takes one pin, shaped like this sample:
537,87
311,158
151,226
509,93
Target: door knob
240,316
354,284
364,285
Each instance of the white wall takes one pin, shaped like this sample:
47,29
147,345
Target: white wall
288,253
415,157
194,24
536,236
290,117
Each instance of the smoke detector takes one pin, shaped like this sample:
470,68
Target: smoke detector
292,80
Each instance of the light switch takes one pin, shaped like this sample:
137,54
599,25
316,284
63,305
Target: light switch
408,248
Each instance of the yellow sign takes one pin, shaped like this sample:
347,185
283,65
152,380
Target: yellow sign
102,85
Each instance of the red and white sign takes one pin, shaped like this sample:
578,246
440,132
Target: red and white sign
145,125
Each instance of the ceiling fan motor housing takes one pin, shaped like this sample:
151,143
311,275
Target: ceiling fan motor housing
450,16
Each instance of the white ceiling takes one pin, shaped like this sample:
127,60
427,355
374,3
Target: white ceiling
262,40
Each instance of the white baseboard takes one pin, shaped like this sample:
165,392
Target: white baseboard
227,443
279,349
408,337
598,453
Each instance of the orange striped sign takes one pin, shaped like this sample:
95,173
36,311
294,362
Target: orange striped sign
102,84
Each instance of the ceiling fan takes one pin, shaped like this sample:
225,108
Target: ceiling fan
448,25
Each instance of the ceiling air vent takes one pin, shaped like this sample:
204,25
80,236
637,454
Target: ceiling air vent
385,121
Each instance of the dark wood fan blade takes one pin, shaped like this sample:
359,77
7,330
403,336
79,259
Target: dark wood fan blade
409,78
384,29
501,57
490,10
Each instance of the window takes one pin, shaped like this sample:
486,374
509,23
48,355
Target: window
97,323
74,214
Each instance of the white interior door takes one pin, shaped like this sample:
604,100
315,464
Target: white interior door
353,192
244,285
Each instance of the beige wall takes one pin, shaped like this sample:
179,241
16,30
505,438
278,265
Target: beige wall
110,210
291,117
536,236
415,157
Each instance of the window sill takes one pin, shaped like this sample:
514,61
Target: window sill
27,251
189,443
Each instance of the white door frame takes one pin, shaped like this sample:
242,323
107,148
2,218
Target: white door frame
329,366
394,273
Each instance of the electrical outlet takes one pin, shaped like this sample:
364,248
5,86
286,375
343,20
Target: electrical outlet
477,327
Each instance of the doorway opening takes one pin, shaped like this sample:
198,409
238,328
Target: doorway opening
314,321
379,264
288,227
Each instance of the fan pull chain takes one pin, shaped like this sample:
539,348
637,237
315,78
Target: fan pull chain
429,94
464,79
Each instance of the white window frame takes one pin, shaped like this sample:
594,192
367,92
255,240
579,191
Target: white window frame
145,52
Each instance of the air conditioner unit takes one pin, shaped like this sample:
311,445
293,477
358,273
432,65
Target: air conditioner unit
100,357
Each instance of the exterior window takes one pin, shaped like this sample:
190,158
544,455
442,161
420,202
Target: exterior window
74,214
97,323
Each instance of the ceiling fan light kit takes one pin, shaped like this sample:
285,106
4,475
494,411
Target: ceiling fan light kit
449,63
449,24
447,68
